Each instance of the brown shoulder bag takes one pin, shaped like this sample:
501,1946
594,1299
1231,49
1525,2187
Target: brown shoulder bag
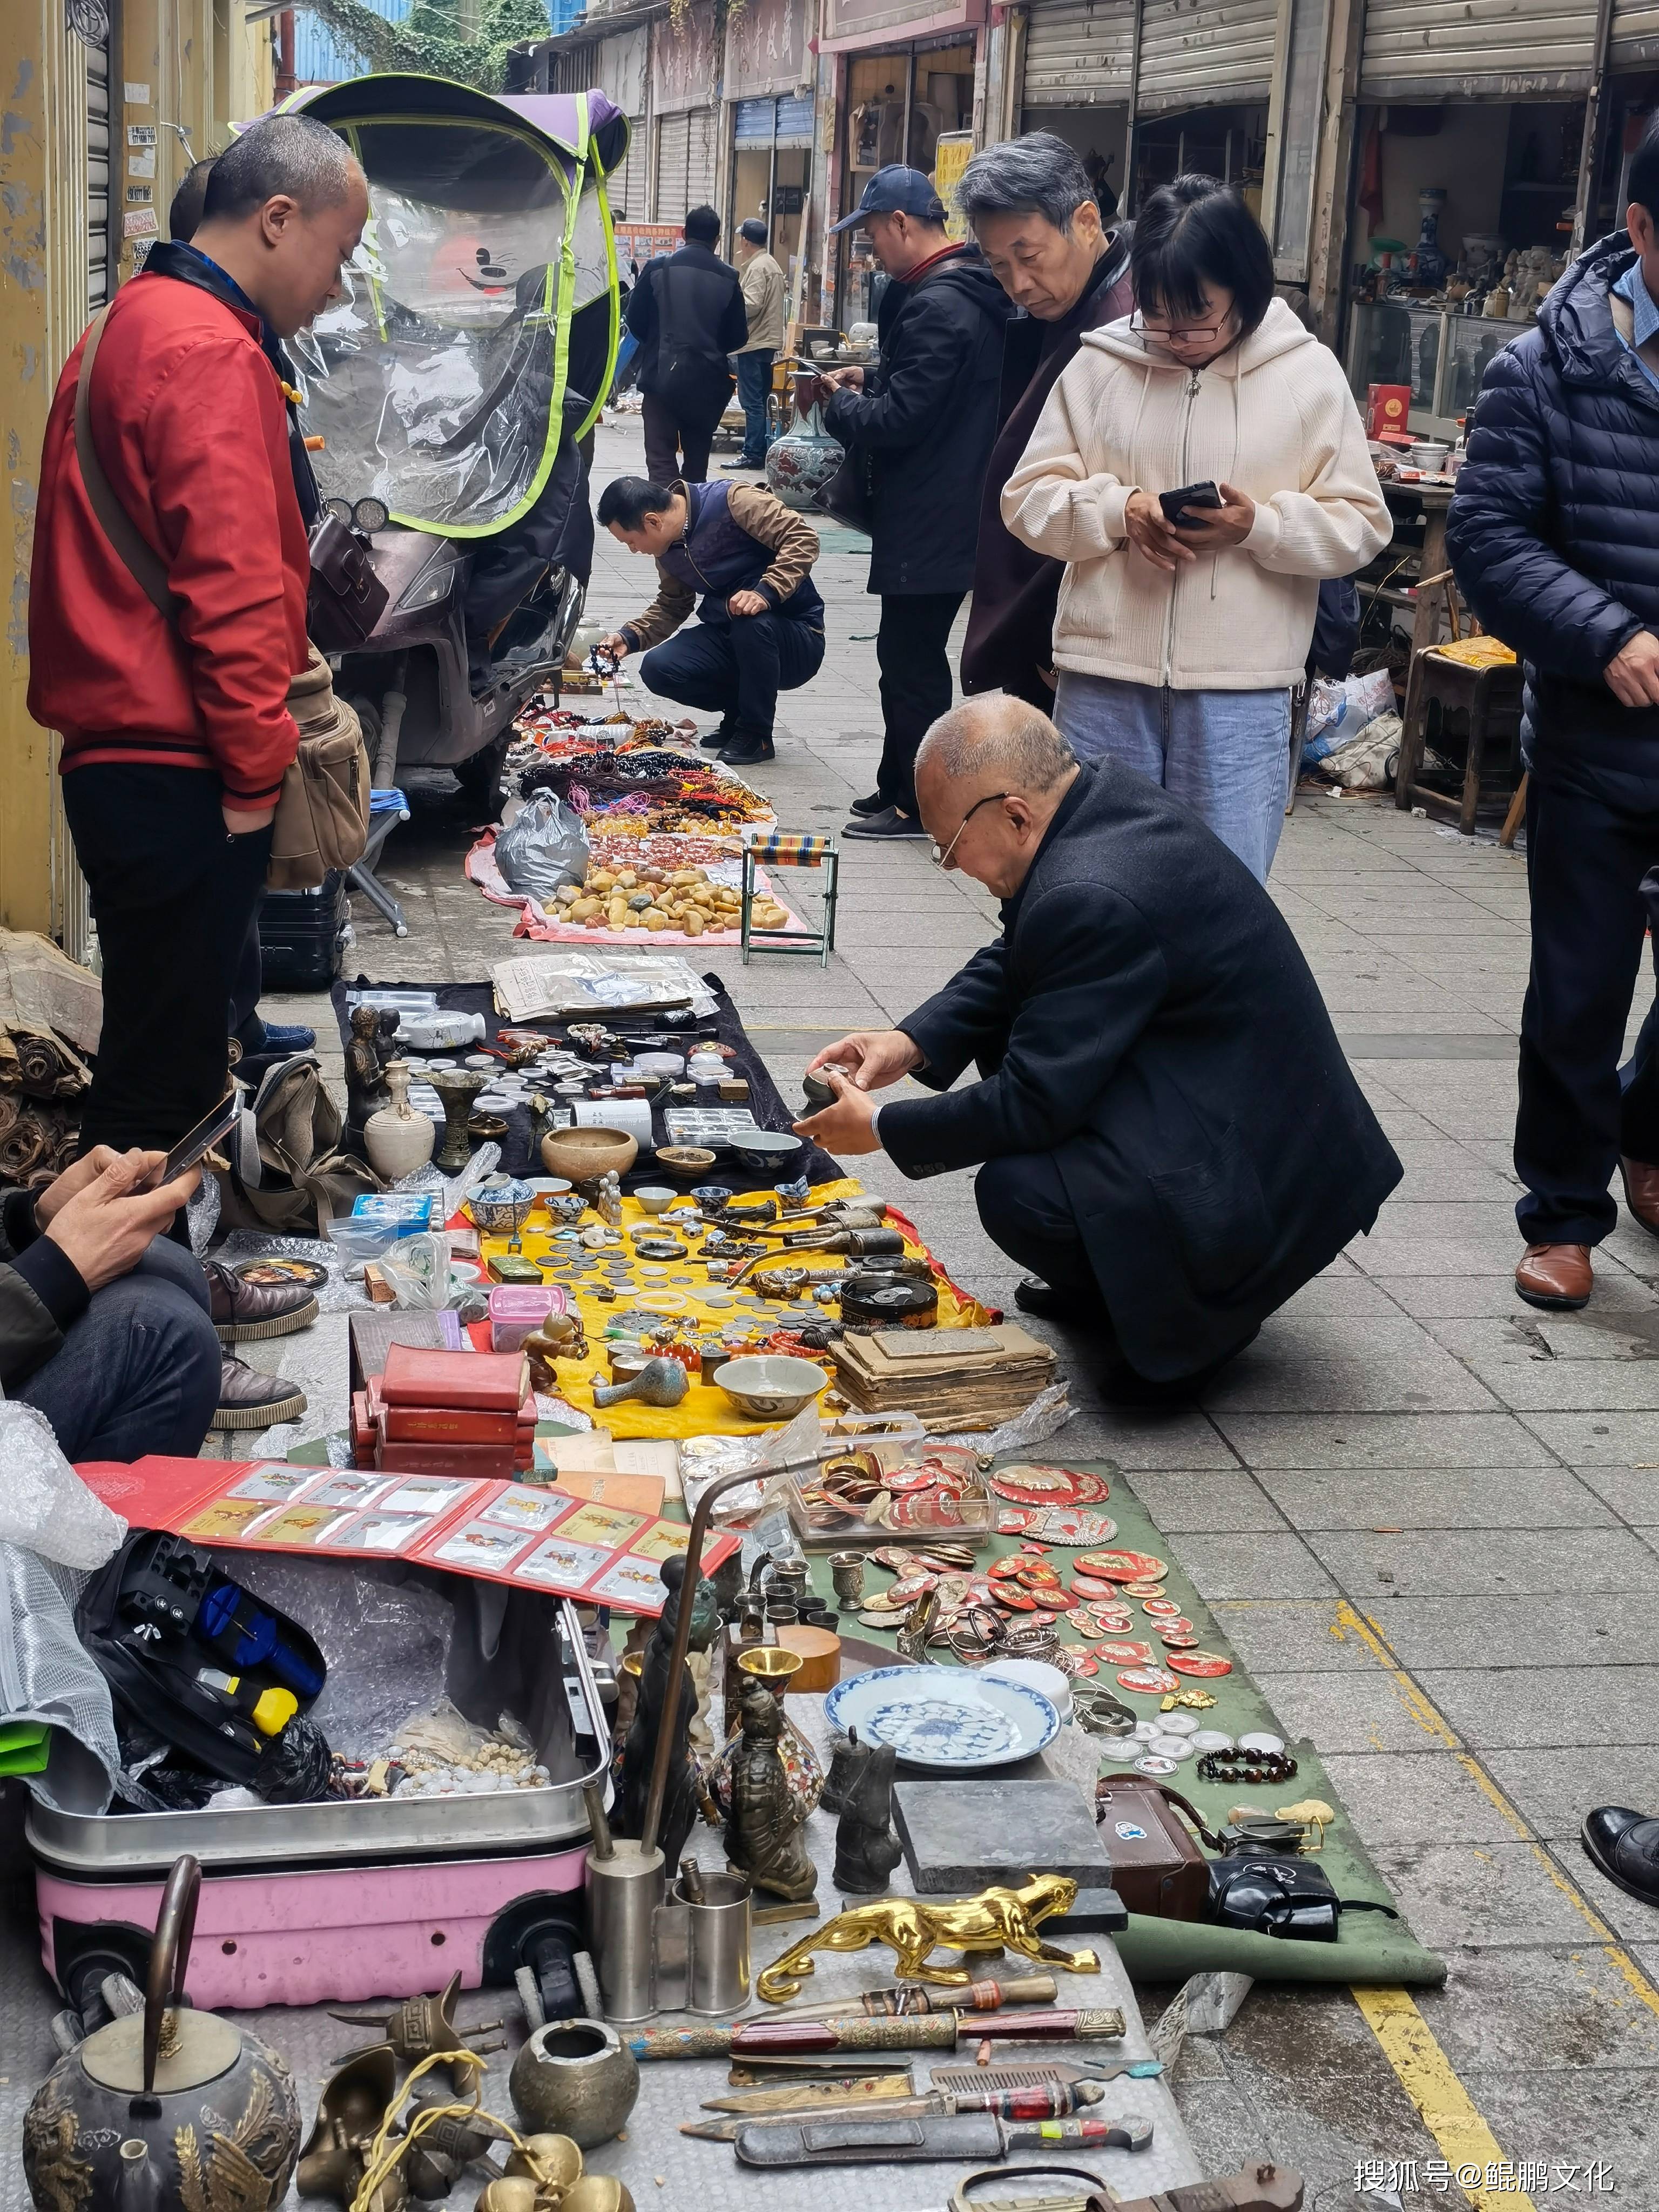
322,810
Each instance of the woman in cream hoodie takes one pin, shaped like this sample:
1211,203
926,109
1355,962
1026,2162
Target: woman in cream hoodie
1177,646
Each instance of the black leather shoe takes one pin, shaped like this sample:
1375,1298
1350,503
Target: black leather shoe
716,739
875,804
1033,1296
243,1310
748,752
1624,1846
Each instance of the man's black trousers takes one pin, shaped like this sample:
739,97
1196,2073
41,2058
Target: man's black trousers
1585,862
735,669
677,440
174,895
915,684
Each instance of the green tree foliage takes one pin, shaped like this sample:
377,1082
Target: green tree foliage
431,43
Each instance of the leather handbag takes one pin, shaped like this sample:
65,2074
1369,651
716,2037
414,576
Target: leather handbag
323,808
347,598
1157,1868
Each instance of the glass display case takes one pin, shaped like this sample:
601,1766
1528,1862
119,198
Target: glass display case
1442,355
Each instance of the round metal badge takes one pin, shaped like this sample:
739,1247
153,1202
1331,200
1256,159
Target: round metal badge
1205,1664
1150,1681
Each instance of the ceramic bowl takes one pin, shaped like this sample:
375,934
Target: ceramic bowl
655,1199
546,1187
582,1154
943,1718
770,1386
767,1149
684,1162
710,1196
1048,1681
501,1209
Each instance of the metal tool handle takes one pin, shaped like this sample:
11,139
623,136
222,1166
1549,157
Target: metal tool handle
169,1956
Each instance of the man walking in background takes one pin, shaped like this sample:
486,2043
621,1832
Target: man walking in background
687,313
1554,536
763,301
1030,204
924,417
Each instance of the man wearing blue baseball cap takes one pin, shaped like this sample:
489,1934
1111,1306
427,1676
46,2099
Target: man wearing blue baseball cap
922,420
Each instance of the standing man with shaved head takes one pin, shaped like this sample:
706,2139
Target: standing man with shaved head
175,725
1176,1142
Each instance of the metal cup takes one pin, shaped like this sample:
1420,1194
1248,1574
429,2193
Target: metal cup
623,1891
847,1574
717,1977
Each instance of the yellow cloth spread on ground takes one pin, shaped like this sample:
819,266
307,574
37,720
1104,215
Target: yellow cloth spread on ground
705,1410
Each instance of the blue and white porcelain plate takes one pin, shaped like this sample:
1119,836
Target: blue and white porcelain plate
944,1718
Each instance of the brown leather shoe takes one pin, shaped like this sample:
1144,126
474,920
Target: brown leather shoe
243,1310
1642,1193
249,1398
1556,1276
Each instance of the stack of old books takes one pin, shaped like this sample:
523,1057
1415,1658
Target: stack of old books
445,1412
953,1378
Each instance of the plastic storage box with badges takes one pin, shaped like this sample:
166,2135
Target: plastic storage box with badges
887,1489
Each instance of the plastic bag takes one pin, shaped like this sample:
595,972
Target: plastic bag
544,847
43,1503
416,1271
386,1643
1051,1410
46,1678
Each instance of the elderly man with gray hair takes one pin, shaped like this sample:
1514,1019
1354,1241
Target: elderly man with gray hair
1175,1143
1030,205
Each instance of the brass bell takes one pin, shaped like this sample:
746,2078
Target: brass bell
517,2195
554,2161
349,2112
598,2192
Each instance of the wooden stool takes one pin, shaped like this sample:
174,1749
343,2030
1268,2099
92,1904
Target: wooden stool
779,848
1489,700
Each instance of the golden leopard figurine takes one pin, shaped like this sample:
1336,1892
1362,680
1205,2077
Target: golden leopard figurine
996,1920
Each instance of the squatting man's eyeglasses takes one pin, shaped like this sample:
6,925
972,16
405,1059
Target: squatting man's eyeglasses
941,859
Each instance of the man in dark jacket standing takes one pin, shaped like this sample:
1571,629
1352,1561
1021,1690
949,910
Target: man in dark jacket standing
1554,536
1033,211
925,414
1174,1141
687,314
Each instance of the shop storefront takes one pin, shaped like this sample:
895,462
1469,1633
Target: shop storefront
1469,149
770,110
685,72
903,82
1078,63
1202,86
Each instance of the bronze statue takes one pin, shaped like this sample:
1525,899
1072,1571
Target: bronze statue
655,1710
365,1070
996,1920
866,1850
763,1830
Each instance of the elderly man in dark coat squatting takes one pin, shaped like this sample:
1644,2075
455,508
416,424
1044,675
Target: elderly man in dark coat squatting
1177,1143
1034,213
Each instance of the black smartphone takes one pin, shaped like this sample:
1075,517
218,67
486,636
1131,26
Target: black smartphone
1194,494
201,1141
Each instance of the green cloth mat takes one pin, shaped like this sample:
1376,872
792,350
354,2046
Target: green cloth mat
1371,1948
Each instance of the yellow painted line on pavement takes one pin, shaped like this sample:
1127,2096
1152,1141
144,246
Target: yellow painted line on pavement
1433,1723
1466,2143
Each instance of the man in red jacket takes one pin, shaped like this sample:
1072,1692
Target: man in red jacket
175,729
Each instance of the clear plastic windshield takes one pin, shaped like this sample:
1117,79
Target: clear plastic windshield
435,383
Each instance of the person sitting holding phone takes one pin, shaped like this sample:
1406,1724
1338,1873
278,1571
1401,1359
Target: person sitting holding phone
1184,620
106,1324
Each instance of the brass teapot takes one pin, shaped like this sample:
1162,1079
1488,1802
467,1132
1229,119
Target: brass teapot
165,2110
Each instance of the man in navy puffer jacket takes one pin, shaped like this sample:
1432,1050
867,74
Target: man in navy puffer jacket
1554,536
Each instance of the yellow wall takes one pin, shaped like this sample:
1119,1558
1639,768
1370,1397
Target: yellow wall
203,69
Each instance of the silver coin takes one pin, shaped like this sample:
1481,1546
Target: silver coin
1153,1763
1179,1724
1259,1739
1176,1747
1147,1730
1210,1740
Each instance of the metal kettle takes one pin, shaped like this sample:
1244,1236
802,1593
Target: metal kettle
169,2111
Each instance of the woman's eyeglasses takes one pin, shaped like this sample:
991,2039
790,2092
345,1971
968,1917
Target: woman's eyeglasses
942,856
1180,334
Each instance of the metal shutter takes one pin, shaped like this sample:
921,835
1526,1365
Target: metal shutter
627,185
1078,52
1206,53
1635,34
1425,49
700,159
673,146
99,160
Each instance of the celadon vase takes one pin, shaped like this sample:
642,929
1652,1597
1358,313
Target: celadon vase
398,1140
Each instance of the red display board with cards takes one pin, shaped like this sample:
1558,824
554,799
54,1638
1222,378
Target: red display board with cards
525,1535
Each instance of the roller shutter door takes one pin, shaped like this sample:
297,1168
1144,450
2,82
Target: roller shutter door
100,159
1635,34
685,163
1077,53
1206,53
628,184
1500,49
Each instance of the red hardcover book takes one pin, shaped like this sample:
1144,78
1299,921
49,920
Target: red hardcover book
445,1459
441,1423
480,1382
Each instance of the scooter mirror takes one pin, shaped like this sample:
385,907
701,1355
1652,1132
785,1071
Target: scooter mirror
340,509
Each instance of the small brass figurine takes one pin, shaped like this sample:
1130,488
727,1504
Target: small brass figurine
913,1927
866,1850
763,1830
365,1068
